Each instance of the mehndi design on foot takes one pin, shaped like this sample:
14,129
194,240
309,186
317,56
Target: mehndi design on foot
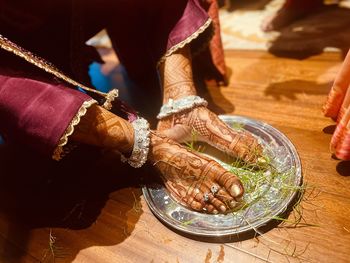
102,128
178,83
210,129
194,180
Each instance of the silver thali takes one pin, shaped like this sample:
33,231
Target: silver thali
272,199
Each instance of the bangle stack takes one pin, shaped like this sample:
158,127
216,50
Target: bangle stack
176,106
141,144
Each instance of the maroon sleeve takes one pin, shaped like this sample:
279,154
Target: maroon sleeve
36,113
193,19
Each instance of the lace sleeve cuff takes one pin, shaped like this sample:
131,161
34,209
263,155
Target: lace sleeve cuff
63,147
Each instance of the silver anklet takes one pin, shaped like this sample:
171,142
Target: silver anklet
176,106
141,144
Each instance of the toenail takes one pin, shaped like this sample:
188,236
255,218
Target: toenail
236,190
223,208
233,204
239,199
215,212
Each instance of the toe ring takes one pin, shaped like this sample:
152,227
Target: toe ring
214,189
206,197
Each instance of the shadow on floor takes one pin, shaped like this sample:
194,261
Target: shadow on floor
329,129
37,193
327,27
290,89
233,5
343,168
203,90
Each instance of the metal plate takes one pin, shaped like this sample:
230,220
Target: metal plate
275,193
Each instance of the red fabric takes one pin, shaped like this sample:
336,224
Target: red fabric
36,113
193,18
337,107
216,48
210,61
337,101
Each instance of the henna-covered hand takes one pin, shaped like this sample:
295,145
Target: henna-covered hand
177,80
192,178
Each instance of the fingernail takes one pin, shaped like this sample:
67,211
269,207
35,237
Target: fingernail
215,212
223,208
236,190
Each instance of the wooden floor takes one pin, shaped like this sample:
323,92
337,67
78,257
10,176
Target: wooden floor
93,216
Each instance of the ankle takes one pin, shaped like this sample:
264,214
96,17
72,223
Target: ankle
179,91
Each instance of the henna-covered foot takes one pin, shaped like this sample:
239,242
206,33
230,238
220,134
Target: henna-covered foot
194,180
102,128
210,129
176,75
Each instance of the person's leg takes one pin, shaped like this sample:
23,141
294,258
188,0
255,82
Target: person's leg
139,32
176,74
200,179
186,174
102,128
337,101
337,107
